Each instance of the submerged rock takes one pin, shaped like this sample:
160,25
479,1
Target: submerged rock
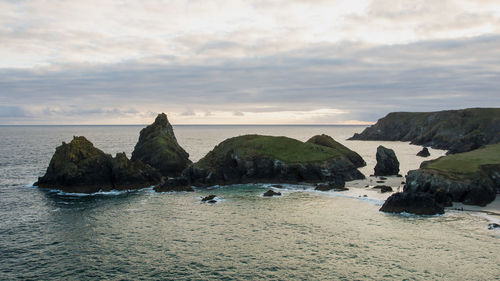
158,147
424,152
493,226
255,158
419,203
80,167
271,193
383,188
325,140
387,162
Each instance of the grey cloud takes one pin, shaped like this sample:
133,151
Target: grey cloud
12,112
367,82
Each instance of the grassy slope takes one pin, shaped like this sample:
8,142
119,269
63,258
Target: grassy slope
282,148
467,163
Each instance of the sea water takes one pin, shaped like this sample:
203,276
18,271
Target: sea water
302,235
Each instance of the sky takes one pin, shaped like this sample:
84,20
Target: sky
243,61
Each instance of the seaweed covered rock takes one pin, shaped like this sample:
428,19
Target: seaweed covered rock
80,167
419,203
455,130
328,141
424,152
387,162
271,193
256,158
158,147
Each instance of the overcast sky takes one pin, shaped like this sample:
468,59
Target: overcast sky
257,62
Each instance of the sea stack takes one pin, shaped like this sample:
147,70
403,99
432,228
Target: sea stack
80,167
387,162
158,147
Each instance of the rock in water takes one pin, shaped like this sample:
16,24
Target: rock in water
255,158
387,162
331,186
271,193
416,203
158,147
208,198
424,152
383,188
80,167
325,140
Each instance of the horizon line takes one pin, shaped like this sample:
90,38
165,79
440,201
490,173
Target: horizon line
320,124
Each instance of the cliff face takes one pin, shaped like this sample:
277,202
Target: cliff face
80,167
254,158
454,130
471,178
158,147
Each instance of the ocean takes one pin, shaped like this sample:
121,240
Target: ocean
302,235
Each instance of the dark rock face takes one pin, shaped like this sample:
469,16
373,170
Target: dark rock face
325,140
478,190
236,170
331,186
419,203
80,167
158,147
387,162
271,193
424,152
454,130
174,184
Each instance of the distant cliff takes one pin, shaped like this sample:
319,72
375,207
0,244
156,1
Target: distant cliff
454,130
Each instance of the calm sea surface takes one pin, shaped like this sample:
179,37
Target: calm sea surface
143,235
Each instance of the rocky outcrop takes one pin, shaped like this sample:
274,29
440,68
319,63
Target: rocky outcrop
80,167
255,158
175,184
471,178
424,152
325,140
387,162
383,188
454,130
158,147
419,203
271,193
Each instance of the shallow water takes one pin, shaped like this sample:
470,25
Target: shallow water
304,234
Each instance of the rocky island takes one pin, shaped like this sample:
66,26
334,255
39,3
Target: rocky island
454,130
257,158
80,167
471,178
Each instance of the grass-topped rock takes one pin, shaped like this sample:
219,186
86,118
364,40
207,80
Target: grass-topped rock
80,167
158,147
256,158
328,141
471,177
455,130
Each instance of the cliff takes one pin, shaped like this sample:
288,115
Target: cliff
471,178
158,147
455,130
256,158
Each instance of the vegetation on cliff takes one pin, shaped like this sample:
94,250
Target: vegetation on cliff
454,130
158,147
325,140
